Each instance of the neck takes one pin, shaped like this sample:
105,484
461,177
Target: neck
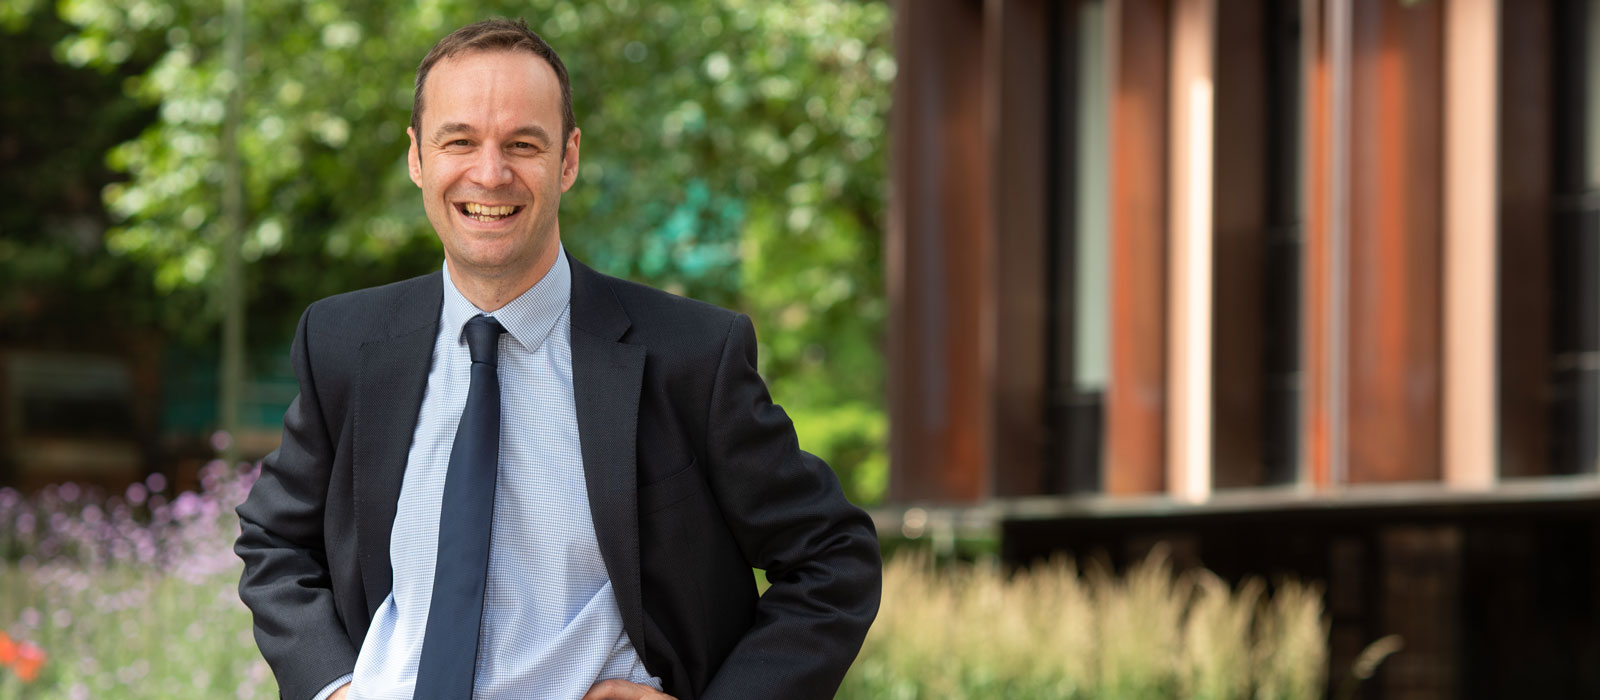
489,290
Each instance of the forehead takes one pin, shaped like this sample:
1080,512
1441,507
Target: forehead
492,88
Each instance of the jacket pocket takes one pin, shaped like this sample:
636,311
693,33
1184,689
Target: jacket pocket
669,491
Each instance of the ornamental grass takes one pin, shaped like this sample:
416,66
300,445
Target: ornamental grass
1053,631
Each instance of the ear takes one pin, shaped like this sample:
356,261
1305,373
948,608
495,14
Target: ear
569,162
414,158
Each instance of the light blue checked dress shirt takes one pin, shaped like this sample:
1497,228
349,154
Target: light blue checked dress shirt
551,627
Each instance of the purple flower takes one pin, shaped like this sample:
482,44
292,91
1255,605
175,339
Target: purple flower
187,506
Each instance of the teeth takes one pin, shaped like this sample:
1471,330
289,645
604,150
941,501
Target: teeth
483,210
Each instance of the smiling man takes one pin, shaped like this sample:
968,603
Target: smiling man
519,478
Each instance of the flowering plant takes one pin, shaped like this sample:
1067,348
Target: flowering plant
134,593
23,658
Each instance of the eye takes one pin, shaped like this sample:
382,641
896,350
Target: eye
523,145
459,142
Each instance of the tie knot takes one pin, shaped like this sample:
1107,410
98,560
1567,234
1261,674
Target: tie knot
483,339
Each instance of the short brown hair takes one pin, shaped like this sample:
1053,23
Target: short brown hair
497,34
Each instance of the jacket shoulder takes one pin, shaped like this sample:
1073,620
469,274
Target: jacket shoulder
376,312
658,316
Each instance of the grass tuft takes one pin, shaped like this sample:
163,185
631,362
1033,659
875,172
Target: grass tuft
1053,631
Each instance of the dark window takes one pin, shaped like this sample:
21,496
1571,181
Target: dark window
1575,250
1079,338
1549,256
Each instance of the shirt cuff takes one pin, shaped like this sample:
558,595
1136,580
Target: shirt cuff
326,691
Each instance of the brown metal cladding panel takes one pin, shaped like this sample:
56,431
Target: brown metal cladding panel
1239,242
1396,194
1019,84
1319,155
1136,398
939,216
1524,246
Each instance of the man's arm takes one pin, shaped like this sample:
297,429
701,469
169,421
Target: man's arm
286,583
790,517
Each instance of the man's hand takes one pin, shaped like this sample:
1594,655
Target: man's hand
615,689
340,693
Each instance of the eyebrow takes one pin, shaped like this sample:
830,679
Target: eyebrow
530,131
534,132
450,128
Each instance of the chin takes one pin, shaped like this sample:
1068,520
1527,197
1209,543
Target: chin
498,261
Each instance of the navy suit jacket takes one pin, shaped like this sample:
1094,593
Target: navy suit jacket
694,476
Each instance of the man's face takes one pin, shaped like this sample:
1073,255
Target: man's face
489,161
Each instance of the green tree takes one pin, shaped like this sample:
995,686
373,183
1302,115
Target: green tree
56,123
733,151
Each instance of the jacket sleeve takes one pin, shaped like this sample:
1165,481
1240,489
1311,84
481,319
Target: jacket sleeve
286,582
789,516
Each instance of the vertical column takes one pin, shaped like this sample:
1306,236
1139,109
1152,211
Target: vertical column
1240,240
1258,244
1523,141
1394,276
1136,400
1189,349
939,216
1319,58
1470,215
1016,295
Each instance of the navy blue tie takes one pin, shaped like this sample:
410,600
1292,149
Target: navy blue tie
450,644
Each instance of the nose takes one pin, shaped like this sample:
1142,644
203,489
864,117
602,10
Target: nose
490,169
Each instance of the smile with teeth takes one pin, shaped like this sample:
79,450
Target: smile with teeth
487,213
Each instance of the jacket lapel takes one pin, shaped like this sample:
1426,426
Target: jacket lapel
606,377
389,388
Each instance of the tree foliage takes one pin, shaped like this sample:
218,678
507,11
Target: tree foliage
55,126
733,151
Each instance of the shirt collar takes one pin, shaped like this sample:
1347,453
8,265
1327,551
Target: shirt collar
528,318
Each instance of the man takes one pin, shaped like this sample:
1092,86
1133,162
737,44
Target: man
519,478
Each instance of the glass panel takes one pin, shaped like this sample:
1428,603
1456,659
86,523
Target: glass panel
1575,239
1080,304
1091,366
1591,97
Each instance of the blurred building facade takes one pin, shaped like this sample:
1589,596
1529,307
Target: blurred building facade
1303,287
110,410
